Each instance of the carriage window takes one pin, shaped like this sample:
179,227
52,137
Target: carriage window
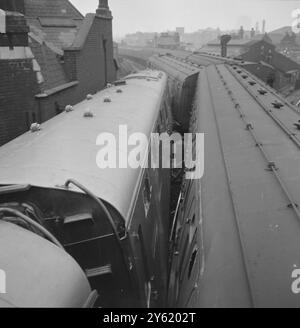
147,193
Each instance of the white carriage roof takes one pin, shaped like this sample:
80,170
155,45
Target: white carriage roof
66,145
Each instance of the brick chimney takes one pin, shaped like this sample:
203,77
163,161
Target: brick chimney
13,5
18,82
103,9
16,31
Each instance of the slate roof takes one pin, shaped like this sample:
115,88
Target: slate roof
83,32
49,62
284,63
54,26
55,21
241,42
51,8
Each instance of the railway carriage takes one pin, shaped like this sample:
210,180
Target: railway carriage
37,272
235,233
182,84
113,222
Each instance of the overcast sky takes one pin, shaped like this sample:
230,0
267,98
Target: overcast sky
162,15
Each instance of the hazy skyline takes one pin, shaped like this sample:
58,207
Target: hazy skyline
162,15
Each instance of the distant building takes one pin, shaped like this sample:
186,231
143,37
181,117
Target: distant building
169,40
262,59
180,31
199,38
236,47
140,39
241,33
68,55
19,77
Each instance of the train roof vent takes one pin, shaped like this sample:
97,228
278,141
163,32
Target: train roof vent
107,100
35,127
262,92
88,113
277,104
69,108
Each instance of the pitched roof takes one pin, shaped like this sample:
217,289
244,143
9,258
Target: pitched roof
54,8
54,25
241,42
83,32
55,21
49,62
284,63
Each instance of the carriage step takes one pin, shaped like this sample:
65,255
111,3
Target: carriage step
79,218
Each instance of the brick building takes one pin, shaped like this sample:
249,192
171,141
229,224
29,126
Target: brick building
168,40
18,82
262,59
64,56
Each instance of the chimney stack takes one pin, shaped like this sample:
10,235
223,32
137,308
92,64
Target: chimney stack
103,9
257,28
264,27
225,39
13,5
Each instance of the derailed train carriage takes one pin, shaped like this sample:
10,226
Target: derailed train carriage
235,239
182,83
113,222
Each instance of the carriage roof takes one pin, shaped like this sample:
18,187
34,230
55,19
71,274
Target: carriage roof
51,280
66,148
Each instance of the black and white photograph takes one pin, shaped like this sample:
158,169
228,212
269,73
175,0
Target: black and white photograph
149,157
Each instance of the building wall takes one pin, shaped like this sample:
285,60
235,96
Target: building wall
264,73
17,106
50,106
260,51
91,71
87,66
